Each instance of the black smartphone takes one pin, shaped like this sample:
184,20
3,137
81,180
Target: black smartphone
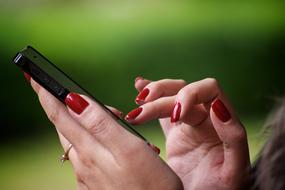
57,82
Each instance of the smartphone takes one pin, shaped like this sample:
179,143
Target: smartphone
59,84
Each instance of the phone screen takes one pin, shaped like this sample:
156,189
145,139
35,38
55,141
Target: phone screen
56,81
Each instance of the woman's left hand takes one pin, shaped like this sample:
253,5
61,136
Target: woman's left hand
206,144
104,155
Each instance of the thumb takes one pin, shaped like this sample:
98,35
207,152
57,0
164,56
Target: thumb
233,136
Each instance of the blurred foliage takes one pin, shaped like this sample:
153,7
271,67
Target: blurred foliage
105,45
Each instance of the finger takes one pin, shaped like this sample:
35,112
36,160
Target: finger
233,135
116,111
160,108
99,123
59,116
157,89
68,148
140,83
63,141
27,77
198,93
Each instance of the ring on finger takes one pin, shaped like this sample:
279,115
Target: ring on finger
65,156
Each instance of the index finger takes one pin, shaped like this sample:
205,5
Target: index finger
59,116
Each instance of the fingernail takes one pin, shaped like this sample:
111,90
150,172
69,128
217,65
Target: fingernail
27,77
142,96
133,114
121,114
176,113
76,103
138,78
221,111
154,148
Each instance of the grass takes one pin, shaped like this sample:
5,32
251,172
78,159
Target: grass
34,164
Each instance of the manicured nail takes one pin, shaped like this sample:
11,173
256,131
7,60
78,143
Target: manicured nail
76,103
176,113
154,148
221,111
138,78
142,96
27,77
133,114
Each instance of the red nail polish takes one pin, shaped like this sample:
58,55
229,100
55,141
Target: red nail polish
142,95
27,77
138,78
221,111
133,114
176,113
76,103
154,148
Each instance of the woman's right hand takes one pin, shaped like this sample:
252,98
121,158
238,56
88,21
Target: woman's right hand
104,155
206,144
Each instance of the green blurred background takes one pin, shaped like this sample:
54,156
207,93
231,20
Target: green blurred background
104,45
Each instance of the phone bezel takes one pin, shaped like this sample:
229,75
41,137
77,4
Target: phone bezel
21,60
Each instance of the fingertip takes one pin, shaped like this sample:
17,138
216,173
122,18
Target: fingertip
36,87
132,115
141,83
154,148
175,115
27,77
76,103
116,112
221,111
138,78
140,99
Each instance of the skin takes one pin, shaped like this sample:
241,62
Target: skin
205,152
104,155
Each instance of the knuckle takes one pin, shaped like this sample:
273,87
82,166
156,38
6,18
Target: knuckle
84,175
189,91
53,115
97,124
239,135
86,160
79,174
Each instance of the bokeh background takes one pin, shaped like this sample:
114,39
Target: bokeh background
104,45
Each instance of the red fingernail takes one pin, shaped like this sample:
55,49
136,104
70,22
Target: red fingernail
27,77
133,114
76,102
221,111
138,78
176,113
142,95
154,148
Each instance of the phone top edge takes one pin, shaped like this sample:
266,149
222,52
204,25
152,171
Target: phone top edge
24,54
16,58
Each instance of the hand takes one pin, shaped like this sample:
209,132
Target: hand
104,154
206,144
